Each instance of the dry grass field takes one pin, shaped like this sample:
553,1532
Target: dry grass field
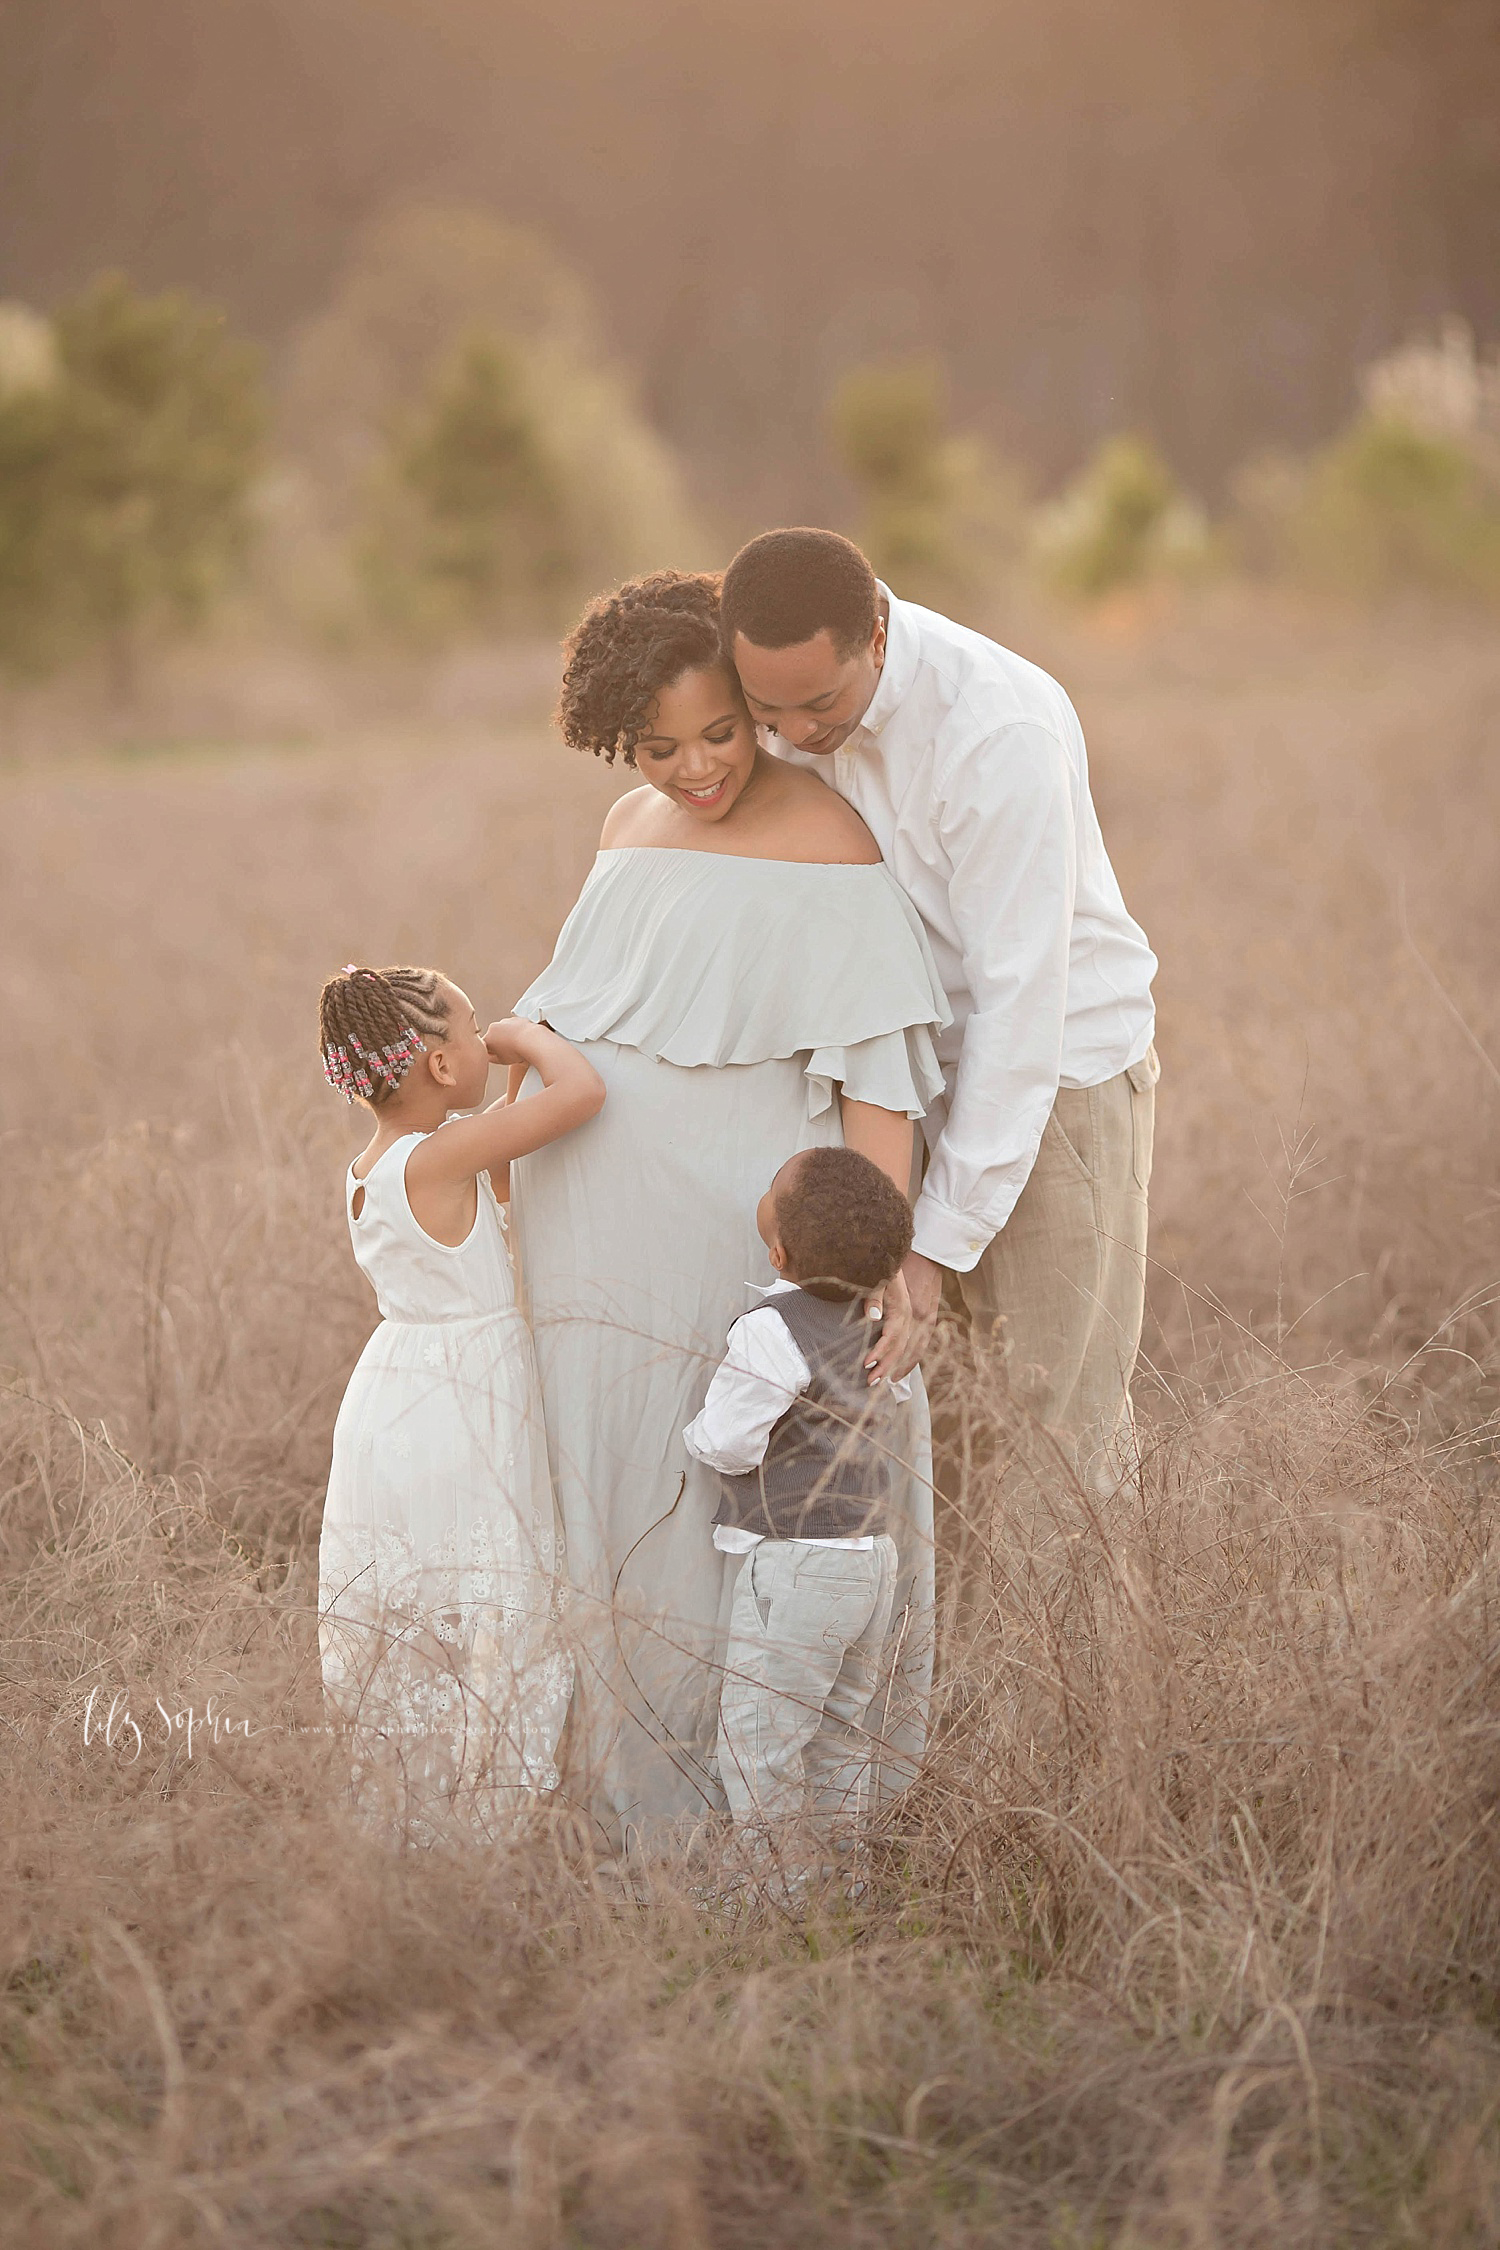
1188,1937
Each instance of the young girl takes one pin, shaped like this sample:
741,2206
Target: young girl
439,1558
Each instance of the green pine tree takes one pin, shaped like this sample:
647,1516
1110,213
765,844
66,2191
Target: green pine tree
1121,521
35,559
124,477
939,519
476,526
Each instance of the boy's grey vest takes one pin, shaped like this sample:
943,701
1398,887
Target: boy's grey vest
826,1474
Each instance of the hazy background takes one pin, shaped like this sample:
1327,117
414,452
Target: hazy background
428,320
1181,216
1162,340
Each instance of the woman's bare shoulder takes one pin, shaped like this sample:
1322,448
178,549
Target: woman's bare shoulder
624,823
824,825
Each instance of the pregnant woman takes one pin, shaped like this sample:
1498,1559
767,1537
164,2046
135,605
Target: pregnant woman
749,980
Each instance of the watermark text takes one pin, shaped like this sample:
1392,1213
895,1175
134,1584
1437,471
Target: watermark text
118,1728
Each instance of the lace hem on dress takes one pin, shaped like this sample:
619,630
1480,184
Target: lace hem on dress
457,1666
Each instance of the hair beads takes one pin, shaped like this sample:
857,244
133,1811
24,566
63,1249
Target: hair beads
353,1069
373,1024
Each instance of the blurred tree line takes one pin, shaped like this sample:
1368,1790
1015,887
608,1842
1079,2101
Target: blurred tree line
1406,496
449,451
1190,218
130,430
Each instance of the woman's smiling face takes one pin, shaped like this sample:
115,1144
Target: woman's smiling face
700,748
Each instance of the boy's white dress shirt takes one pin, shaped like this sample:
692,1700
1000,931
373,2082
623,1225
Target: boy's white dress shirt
761,1375
970,769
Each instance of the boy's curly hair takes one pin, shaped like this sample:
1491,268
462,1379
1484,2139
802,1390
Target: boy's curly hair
841,1221
626,648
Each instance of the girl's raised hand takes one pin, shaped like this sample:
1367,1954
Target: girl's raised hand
572,1092
514,1040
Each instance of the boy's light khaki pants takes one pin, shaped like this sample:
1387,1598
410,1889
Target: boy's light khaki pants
1055,1303
806,1629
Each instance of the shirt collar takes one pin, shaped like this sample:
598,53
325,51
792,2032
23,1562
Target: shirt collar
900,667
778,1288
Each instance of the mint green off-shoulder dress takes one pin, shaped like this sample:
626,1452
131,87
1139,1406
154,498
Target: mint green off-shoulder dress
725,1002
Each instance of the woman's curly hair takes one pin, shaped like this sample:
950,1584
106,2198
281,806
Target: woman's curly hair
626,648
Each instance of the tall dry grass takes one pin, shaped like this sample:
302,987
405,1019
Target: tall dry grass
1189,1933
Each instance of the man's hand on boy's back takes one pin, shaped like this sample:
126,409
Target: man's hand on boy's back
893,1353
911,1310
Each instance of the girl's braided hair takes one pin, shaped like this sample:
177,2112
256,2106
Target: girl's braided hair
372,1024
626,648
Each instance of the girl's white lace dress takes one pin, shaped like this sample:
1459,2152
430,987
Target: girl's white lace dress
439,1561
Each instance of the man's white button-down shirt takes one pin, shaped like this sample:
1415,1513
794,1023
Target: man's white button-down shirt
970,770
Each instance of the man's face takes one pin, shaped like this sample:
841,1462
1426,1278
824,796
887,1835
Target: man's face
810,694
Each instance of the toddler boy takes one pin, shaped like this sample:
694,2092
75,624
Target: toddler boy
802,1444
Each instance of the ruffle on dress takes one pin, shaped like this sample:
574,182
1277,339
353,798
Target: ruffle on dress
705,960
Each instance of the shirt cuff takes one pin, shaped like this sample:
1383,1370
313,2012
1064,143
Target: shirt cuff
955,1239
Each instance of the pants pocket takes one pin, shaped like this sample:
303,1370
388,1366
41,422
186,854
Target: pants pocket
835,1566
1070,1129
1143,1077
760,1595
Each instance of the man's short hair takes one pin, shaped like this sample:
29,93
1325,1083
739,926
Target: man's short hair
786,586
842,1220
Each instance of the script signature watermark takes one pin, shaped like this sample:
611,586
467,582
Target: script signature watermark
117,1727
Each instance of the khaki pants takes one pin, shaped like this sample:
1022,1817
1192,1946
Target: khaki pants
1055,1304
806,1630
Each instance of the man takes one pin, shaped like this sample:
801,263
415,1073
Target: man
968,764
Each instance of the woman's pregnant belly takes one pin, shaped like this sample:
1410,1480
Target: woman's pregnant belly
657,1194
637,1247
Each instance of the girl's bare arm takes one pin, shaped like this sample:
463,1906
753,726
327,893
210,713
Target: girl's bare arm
572,1093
